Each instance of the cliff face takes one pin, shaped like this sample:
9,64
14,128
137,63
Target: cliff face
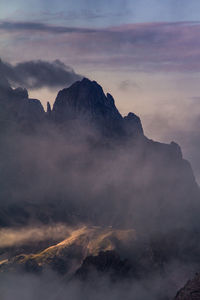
79,163
84,141
17,109
85,100
191,291
76,245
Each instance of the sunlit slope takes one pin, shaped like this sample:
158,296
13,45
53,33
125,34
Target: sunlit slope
79,243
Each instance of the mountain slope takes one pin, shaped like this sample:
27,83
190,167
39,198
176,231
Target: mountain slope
191,291
123,178
71,251
86,101
81,162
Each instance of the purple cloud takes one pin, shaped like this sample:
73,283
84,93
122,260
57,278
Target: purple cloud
148,47
34,26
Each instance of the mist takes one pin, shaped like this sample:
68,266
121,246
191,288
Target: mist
51,286
73,181
62,170
96,203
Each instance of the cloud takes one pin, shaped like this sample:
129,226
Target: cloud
15,237
126,85
34,26
147,47
179,119
50,286
82,14
38,74
84,182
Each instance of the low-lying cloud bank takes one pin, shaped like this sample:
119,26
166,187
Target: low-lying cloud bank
51,286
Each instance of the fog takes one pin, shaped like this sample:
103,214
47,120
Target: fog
52,287
118,185
19,236
56,176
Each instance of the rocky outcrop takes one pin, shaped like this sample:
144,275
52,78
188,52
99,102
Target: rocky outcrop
20,93
85,98
105,263
67,256
18,110
134,168
191,291
48,108
55,174
86,101
133,125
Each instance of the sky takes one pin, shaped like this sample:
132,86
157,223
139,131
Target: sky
146,53
101,13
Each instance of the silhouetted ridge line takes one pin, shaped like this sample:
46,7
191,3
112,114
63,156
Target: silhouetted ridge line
86,100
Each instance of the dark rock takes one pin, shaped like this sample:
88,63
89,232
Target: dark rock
48,108
86,100
20,93
60,265
105,263
191,291
176,150
149,170
31,266
32,110
133,125
17,110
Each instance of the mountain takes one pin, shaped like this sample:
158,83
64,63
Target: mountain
66,256
16,109
191,290
86,101
105,263
84,141
127,205
83,101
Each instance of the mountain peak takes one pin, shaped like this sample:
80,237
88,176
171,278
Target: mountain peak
85,83
87,101
48,108
86,80
133,124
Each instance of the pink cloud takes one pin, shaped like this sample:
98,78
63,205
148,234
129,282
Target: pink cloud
147,47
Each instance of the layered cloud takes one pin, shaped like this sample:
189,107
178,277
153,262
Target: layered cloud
33,26
146,47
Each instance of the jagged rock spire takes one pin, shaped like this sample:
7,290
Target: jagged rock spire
133,124
86,99
48,108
